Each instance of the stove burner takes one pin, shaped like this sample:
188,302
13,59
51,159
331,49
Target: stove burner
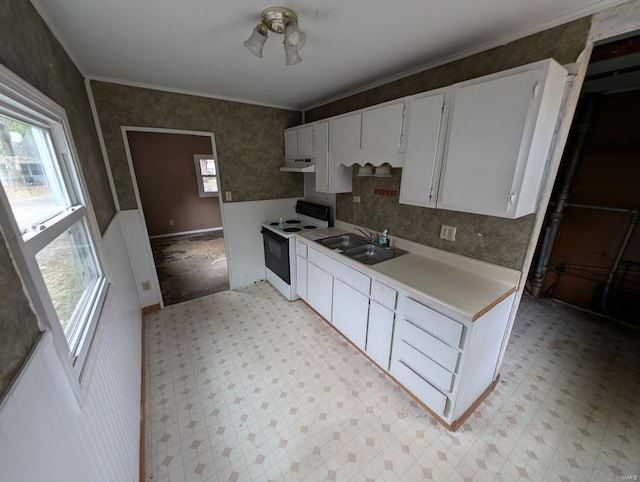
293,221
274,224
310,226
291,230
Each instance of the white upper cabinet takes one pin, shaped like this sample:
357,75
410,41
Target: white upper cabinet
345,138
373,135
330,177
500,130
298,142
382,132
291,143
425,141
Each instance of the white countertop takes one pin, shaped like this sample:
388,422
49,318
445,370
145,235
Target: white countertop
464,285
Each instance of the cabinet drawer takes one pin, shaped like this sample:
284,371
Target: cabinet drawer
348,275
423,365
383,294
417,385
435,323
301,249
438,351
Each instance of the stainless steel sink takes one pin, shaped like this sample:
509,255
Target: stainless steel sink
373,254
360,249
343,242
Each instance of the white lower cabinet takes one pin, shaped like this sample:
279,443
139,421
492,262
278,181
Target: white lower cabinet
446,362
350,313
379,334
301,277
321,293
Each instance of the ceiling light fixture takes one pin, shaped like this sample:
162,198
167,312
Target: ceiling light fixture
280,20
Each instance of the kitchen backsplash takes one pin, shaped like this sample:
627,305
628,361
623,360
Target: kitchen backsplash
249,138
496,240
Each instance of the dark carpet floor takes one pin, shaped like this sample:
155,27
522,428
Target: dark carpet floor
190,266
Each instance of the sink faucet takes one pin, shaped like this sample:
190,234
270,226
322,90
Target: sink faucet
371,236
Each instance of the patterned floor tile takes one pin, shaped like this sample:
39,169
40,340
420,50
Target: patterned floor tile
245,386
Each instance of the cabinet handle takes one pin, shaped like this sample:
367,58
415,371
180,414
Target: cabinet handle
512,198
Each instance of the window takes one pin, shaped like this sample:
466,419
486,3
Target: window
45,210
206,175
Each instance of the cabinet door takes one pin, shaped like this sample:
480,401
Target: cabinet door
421,170
330,178
321,134
291,143
350,312
305,142
345,137
379,334
321,292
485,144
301,277
382,128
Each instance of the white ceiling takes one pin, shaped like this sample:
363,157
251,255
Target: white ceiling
196,46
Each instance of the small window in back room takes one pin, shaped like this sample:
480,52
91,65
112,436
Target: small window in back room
206,175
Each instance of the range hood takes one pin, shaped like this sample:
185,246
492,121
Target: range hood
299,165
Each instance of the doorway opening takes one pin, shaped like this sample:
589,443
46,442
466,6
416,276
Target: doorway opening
589,252
176,182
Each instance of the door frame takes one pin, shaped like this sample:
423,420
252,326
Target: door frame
606,24
125,139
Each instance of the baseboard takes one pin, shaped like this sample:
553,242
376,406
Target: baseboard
147,310
181,233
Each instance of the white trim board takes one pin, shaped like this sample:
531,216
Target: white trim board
604,5
145,269
196,93
181,233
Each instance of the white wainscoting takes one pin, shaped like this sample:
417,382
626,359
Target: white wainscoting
139,248
46,433
242,223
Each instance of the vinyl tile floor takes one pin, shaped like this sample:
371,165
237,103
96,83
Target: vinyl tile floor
243,385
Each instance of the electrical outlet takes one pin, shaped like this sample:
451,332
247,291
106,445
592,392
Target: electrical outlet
170,222
356,199
448,232
227,196
146,285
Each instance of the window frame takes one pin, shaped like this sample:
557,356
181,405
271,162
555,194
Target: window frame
23,102
200,177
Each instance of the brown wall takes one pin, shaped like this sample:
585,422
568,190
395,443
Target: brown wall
491,239
31,51
249,138
608,174
167,182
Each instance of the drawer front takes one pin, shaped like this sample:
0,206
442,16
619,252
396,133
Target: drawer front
301,249
423,365
383,294
448,330
438,351
430,396
348,275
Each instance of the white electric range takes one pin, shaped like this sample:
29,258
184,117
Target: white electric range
280,246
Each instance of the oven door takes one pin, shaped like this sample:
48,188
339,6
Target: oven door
276,254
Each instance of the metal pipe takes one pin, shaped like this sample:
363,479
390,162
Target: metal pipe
600,208
633,222
555,216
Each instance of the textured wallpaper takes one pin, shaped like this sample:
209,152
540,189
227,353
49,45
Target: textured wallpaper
32,52
495,240
249,138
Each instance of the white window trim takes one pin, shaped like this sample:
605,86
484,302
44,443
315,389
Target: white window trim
196,161
21,96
